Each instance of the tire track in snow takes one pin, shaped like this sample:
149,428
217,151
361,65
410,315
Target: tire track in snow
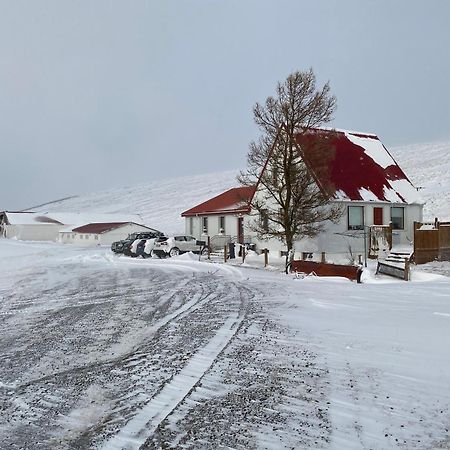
144,375
195,302
85,404
143,425
48,401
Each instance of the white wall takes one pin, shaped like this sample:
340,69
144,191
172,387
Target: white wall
231,225
337,239
33,232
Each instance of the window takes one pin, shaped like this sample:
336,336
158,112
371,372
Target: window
191,225
222,224
398,218
87,236
205,225
96,237
356,217
264,219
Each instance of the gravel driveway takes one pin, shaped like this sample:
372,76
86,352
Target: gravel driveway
132,356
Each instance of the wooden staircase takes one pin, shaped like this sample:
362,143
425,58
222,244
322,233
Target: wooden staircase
396,264
399,256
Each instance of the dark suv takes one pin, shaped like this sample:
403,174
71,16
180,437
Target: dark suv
124,246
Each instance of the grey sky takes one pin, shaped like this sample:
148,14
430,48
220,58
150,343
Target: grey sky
97,94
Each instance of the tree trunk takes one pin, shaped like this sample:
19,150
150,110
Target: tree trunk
289,245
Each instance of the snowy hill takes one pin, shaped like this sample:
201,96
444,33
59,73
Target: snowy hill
161,202
428,167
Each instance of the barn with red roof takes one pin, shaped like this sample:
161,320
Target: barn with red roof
100,233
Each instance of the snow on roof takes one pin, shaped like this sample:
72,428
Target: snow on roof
30,218
67,218
99,228
353,132
233,201
355,166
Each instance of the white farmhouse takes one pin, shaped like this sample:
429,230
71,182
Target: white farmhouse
358,173
100,233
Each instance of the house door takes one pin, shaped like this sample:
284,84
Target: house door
378,216
240,230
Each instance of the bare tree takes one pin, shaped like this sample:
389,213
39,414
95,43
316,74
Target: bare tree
290,202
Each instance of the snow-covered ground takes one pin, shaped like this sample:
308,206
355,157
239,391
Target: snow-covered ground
100,351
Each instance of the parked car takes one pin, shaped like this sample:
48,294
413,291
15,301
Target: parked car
144,247
124,245
176,245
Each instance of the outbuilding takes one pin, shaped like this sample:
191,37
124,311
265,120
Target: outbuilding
45,226
100,233
29,226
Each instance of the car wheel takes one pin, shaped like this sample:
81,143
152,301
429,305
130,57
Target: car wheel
204,251
174,251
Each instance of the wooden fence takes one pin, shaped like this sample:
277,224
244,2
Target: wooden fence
431,242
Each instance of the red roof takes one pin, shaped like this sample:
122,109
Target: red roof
355,166
98,228
233,201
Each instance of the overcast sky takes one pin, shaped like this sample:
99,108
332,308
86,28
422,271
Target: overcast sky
98,94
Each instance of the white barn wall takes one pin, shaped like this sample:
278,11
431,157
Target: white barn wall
81,239
33,232
107,238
